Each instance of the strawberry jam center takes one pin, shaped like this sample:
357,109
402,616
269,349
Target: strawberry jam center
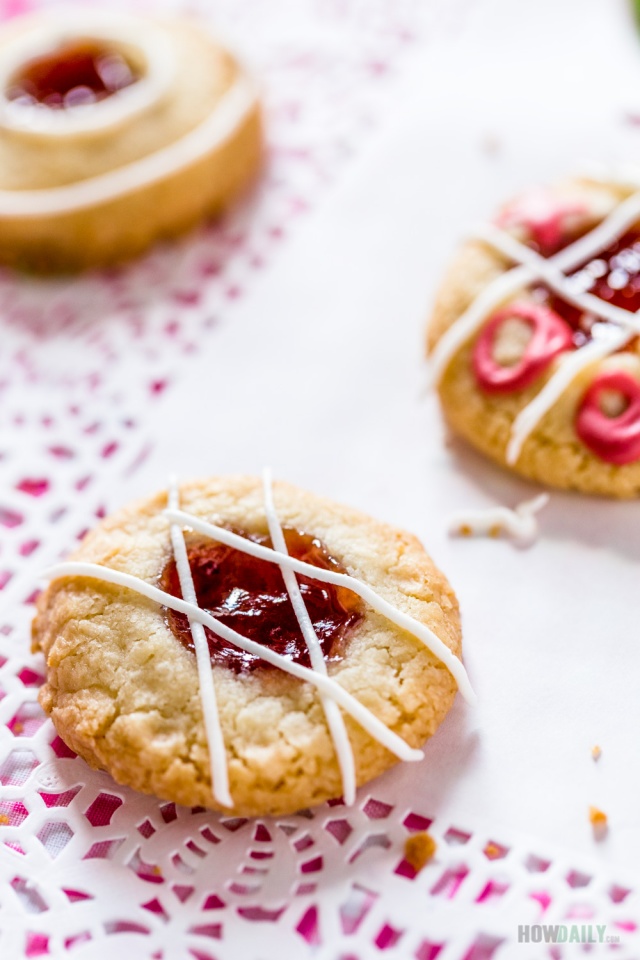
249,595
77,73
613,275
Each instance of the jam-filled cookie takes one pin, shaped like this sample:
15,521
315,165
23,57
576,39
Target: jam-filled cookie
534,337
290,646
115,130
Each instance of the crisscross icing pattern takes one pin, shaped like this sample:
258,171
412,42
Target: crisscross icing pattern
332,693
614,329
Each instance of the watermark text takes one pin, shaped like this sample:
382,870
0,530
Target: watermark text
565,933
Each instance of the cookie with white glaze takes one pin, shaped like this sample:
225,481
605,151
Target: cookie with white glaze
533,338
116,130
123,683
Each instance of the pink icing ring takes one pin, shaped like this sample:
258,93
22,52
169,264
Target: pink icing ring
551,336
614,439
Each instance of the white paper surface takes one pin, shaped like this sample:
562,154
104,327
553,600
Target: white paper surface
319,373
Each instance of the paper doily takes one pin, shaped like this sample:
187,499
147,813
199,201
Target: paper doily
87,867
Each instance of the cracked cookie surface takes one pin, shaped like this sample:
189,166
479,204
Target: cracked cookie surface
124,693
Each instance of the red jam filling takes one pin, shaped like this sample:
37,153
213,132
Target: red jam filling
608,419
550,335
614,438
613,275
75,74
249,595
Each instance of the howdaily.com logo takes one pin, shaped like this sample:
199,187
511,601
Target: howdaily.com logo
564,933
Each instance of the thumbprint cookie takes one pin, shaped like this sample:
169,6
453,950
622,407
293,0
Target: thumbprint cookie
247,647
534,336
116,130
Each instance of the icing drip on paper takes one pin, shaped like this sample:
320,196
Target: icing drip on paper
519,525
613,326
332,694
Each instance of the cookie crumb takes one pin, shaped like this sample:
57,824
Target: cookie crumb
465,530
596,752
419,849
495,531
492,851
599,822
4,820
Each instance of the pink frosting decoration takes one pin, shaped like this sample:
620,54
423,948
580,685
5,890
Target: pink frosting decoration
543,216
551,336
614,439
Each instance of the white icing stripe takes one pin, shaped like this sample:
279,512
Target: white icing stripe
235,104
584,248
69,25
519,525
208,699
569,366
335,722
495,293
419,630
455,336
554,278
325,685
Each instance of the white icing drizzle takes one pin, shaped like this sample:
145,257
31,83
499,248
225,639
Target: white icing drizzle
367,720
338,731
235,104
519,525
332,694
608,337
455,336
47,33
419,630
215,739
569,366
495,293
554,277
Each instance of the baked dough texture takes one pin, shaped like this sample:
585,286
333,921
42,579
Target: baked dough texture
553,454
124,694
61,232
